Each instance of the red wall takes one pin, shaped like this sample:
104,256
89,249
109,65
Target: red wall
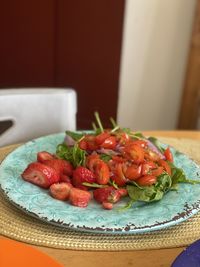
64,43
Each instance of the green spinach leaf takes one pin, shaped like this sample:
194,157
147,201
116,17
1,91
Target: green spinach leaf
74,154
75,135
146,194
150,193
178,176
105,157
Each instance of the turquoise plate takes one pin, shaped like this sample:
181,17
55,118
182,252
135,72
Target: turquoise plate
174,208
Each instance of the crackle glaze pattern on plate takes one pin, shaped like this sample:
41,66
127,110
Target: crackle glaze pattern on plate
174,208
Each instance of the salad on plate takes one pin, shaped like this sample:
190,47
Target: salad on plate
106,165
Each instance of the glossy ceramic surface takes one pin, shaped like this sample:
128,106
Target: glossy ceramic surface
174,208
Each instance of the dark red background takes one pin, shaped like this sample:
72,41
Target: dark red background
66,44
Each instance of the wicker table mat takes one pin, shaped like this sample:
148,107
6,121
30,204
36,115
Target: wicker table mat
17,225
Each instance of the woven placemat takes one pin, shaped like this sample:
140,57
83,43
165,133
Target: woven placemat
15,224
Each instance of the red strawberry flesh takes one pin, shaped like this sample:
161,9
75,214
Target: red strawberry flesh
106,194
81,175
79,198
42,156
65,178
40,174
60,165
107,205
60,191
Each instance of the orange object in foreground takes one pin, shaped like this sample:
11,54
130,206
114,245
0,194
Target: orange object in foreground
17,254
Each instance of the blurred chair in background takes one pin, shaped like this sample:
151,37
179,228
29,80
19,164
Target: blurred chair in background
34,112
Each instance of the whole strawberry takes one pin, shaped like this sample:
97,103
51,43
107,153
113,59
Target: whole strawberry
81,175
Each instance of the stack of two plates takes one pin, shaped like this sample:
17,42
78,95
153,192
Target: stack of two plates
175,207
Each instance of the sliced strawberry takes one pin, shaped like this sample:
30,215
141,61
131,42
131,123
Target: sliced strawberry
119,177
133,172
65,178
165,165
123,138
106,194
102,172
158,171
118,180
90,142
151,155
60,191
147,180
67,168
92,161
109,143
107,205
168,155
99,167
83,144
81,175
42,156
122,191
147,167
79,197
100,138
40,174
134,152
60,165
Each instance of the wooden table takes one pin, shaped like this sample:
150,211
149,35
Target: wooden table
147,258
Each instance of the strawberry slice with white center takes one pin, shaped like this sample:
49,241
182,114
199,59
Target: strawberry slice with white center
60,190
42,156
40,174
79,198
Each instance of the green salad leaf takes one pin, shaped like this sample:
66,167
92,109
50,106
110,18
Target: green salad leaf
75,135
133,135
178,176
105,157
164,183
74,154
150,193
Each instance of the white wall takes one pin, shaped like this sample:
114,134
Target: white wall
154,55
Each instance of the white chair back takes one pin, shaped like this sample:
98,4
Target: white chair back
35,112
